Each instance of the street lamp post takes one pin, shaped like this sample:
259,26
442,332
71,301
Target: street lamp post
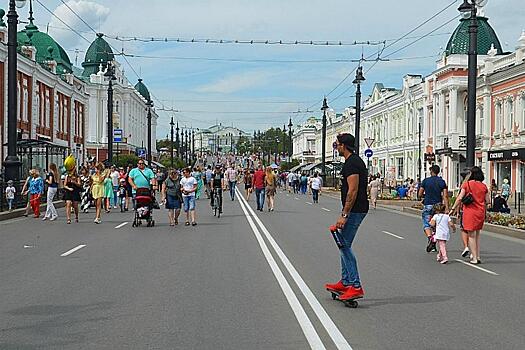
193,157
12,162
186,147
110,74
150,105
171,154
290,139
419,165
358,79
469,7
323,146
177,141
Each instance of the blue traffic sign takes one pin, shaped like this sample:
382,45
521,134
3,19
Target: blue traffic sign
117,135
141,152
369,153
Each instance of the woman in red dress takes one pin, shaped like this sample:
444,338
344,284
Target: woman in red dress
474,213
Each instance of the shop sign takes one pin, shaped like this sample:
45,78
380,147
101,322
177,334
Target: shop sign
507,154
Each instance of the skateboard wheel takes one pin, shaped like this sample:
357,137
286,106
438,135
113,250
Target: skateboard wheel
334,296
351,304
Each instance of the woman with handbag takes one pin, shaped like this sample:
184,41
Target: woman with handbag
475,198
171,195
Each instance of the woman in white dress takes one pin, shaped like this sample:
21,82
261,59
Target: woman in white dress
374,191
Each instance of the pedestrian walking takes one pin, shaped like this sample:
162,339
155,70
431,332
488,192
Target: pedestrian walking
129,188
290,178
270,181
73,186
475,197
374,190
97,190
141,177
248,177
115,177
52,180
258,184
355,207
36,190
197,174
10,192
208,175
189,186
25,191
316,185
85,196
171,195
122,195
296,182
231,177
435,190
442,223
108,190
304,183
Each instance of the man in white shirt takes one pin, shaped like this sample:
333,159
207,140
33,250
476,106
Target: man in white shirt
188,187
290,178
315,184
115,182
231,177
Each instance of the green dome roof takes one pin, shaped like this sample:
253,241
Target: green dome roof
459,41
99,52
143,90
46,47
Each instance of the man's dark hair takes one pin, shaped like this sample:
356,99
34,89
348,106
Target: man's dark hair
347,140
434,169
476,174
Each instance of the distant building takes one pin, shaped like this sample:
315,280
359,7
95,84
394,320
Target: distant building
219,138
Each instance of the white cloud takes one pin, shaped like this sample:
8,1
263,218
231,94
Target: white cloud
237,82
93,13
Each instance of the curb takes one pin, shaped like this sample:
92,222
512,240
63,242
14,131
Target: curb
502,230
20,212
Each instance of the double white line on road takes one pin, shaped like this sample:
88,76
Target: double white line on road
306,325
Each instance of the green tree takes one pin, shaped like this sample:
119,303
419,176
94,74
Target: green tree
285,166
243,145
124,159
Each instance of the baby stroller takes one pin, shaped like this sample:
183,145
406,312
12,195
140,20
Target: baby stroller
143,208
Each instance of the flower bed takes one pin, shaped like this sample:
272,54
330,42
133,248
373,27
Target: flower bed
508,220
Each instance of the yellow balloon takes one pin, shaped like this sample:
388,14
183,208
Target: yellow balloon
70,163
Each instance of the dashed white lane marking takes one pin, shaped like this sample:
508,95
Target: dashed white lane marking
326,209
309,331
121,225
309,203
393,235
73,250
477,267
331,328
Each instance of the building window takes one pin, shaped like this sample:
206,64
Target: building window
509,120
480,121
400,167
523,112
498,118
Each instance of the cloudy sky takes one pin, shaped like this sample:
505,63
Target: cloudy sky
258,86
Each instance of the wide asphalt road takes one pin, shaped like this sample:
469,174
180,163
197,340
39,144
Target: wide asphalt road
251,280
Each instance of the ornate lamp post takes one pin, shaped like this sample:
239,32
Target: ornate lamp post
150,105
177,141
358,79
323,146
468,9
12,162
290,137
110,74
171,153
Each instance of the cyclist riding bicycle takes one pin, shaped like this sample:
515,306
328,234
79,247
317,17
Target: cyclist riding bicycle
217,184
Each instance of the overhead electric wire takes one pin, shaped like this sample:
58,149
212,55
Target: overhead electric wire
60,19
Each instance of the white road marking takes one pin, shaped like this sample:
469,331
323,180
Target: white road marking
331,328
477,267
27,246
73,250
121,225
306,325
326,209
297,198
309,203
393,235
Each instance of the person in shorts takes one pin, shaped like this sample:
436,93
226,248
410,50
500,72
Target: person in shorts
171,195
434,190
188,186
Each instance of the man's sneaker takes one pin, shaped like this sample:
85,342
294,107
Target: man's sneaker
352,293
465,253
430,245
434,249
336,287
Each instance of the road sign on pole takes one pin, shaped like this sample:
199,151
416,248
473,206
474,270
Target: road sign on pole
141,152
117,135
369,153
369,142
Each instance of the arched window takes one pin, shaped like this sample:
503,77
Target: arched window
509,120
499,124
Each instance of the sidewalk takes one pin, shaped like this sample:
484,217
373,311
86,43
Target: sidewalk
406,207
6,215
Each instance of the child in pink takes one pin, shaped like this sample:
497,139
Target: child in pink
443,224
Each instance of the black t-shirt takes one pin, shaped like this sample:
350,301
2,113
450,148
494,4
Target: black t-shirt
51,177
355,165
216,180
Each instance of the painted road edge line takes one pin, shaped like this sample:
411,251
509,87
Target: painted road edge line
326,209
393,235
73,250
121,225
309,203
300,314
477,267
331,328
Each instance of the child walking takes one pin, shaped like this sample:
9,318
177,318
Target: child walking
122,195
443,224
10,191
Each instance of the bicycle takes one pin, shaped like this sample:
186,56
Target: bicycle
217,203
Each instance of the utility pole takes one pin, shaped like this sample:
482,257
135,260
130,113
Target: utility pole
110,74
171,153
323,146
177,141
358,79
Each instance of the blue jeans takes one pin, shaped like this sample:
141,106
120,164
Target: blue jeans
350,275
315,195
303,188
189,203
259,196
233,185
426,215
115,196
